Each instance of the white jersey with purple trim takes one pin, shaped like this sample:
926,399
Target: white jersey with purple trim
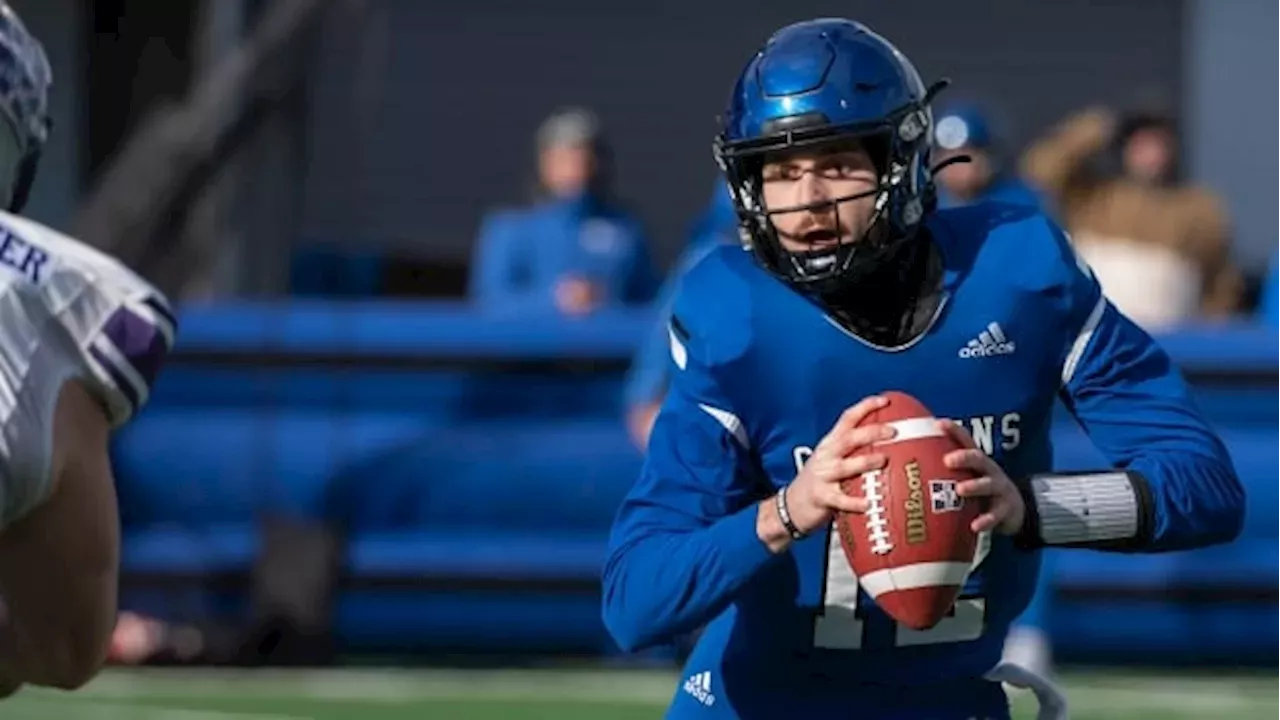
67,311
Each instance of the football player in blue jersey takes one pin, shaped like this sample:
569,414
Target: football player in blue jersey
853,284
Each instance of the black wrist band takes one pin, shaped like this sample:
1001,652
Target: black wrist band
785,516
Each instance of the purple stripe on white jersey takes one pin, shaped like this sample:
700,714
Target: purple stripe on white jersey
118,378
139,343
161,308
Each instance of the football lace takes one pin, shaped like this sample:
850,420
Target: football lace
877,524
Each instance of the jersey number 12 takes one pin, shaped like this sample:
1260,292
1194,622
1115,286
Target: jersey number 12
840,624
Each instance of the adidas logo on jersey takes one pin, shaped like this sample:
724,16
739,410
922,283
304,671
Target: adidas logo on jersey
699,686
989,343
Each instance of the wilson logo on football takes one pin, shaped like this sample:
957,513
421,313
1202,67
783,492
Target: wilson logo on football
917,531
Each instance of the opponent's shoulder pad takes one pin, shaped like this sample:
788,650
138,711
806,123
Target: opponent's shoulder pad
710,317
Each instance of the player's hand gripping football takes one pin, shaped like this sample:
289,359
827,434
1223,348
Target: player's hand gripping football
814,497
1005,511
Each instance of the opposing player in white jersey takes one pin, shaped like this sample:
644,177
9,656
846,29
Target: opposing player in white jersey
81,340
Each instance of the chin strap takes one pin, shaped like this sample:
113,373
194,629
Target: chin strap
953,160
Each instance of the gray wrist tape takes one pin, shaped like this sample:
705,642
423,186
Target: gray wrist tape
1098,509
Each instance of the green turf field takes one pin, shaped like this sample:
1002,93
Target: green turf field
551,694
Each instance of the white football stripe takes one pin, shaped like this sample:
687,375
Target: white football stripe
729,422
911,577
1082,341
913,429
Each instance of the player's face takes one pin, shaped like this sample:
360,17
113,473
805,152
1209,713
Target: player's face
819,179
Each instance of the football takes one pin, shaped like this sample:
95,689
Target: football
913,548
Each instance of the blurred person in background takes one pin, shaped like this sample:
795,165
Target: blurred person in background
964,130
646,382
574,249
82,339
1160,247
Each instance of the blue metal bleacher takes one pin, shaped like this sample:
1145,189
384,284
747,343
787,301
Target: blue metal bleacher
428,432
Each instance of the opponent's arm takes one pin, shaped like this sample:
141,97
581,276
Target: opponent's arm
1173,486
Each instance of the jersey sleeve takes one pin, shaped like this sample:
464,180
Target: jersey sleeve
125,354
647,379
1136,407
684,541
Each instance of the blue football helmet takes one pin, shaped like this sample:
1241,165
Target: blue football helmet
819,82
25,78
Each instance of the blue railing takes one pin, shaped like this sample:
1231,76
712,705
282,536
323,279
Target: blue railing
427,430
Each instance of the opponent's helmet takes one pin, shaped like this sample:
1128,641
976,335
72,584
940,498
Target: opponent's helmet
25,77
818,82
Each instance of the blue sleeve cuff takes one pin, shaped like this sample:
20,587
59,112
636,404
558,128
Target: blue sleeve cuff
741,552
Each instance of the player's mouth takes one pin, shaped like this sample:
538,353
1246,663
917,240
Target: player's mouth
820,239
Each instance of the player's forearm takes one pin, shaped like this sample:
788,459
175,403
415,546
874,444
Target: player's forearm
1137,409
1197,501
770,529
1160,505
660,585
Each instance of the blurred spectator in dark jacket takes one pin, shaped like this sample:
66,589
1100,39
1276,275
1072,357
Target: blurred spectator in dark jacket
647,380
574,249
966,130
1159,247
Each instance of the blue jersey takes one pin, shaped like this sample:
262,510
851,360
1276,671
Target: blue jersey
523,254
647,379
761,374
